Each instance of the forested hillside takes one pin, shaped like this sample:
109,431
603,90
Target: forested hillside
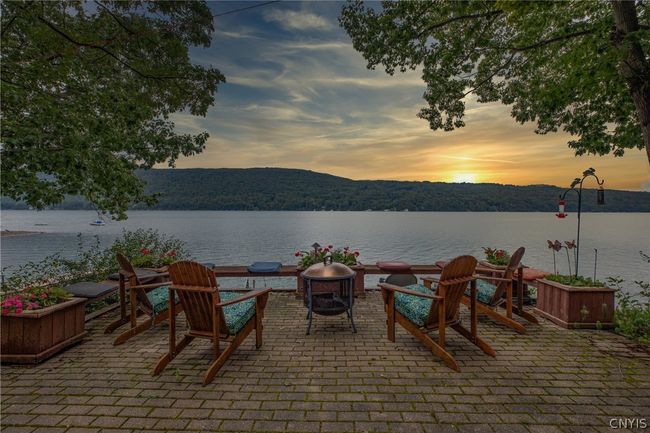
289,189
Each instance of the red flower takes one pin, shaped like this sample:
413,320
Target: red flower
330,247
5,311
145,251
356,254
172,254
44,295
500,253
298,254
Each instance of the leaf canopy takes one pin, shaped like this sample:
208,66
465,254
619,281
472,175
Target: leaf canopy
87,91
553,62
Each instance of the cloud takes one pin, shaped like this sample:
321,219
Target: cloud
297,20
307,100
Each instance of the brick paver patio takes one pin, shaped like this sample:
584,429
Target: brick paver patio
551,380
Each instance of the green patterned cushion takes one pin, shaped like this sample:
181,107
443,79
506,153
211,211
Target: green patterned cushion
484,291
159,298
238,314
412,307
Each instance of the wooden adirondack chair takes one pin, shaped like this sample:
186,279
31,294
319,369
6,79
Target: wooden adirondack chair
492,288
150,299
212,314
420,309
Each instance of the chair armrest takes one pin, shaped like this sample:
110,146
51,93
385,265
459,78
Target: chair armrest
253,294
393,288
483,277
480,269
152,286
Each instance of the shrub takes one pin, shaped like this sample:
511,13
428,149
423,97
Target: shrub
91,263
632,315
149,248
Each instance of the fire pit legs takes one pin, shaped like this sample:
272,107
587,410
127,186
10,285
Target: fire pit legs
354,328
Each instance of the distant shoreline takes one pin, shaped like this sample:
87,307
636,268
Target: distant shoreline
10,233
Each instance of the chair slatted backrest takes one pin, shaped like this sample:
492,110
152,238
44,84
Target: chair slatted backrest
454,280
128,272
197,290
509,273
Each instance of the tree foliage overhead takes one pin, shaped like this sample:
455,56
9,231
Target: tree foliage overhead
582,66
87,91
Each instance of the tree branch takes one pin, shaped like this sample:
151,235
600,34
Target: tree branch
492,75
8,25
458,18
101,48
552,40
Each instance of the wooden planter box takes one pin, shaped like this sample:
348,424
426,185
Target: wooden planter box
359,288
575,307
34,336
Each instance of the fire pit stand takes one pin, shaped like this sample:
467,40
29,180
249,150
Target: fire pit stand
328,290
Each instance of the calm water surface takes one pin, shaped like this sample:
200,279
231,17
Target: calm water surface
416,237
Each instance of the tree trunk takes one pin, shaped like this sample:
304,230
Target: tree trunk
634,67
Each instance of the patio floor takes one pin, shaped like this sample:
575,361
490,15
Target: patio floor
551,380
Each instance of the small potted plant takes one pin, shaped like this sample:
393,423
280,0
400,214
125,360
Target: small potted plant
571,300
343,255
495,258
38,322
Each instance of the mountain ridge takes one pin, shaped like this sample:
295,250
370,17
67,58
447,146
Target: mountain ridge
271,188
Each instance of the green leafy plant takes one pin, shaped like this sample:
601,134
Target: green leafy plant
632,314
319,254
574,281
496,257
91,263
149,248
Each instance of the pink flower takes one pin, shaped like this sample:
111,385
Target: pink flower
356,254
171,254
43,295
5,311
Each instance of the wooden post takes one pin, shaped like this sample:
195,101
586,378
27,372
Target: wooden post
473,309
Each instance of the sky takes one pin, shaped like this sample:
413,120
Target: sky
297,95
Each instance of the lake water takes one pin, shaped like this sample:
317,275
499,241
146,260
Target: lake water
229,238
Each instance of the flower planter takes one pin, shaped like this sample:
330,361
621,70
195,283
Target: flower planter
359,288
575,307
34,336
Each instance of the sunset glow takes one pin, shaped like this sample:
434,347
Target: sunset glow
464,178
